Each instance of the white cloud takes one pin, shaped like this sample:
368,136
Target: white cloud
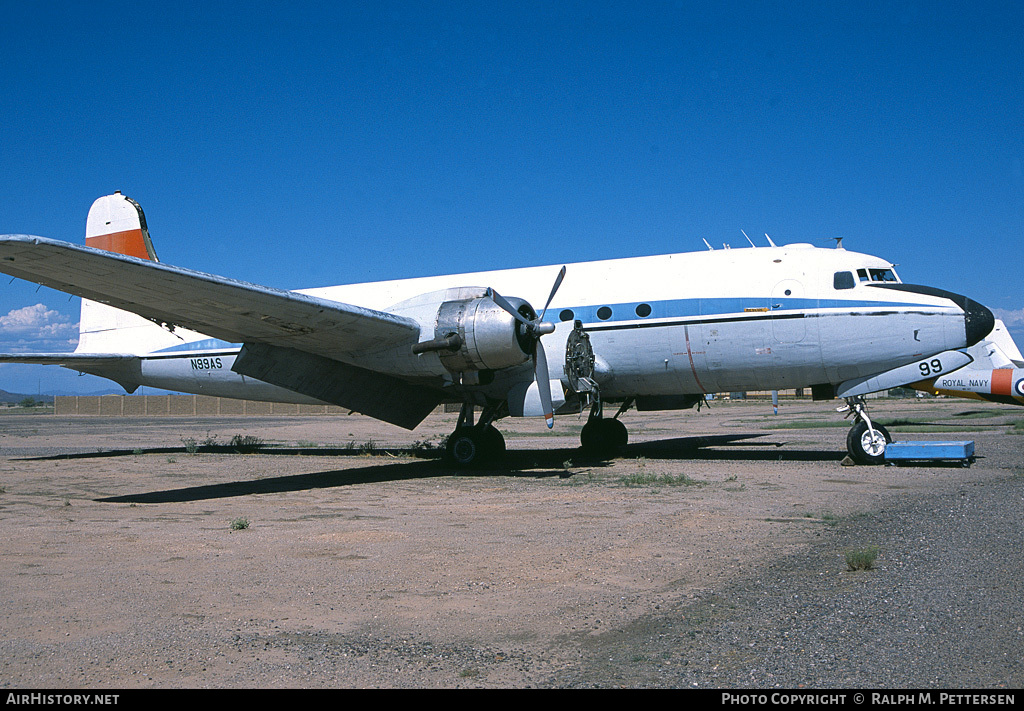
36,328
1011,317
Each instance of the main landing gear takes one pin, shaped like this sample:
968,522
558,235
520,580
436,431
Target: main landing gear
471,444
866,440
474,443
604,438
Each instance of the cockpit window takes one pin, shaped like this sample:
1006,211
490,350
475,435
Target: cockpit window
882,275
862,274
843,280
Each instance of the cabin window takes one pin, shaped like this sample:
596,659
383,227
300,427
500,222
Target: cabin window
882,274
604,313
643,310
566,315
843,280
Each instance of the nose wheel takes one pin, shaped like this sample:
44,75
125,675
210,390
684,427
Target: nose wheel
866,440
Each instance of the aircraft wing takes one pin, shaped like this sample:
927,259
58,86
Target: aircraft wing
234,311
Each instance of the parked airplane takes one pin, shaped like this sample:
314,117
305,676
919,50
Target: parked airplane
656,332
996,372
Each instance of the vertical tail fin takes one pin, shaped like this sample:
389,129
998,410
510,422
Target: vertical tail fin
116,223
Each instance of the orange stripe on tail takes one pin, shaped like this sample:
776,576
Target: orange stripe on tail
130,242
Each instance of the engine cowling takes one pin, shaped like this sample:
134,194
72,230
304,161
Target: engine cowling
477,334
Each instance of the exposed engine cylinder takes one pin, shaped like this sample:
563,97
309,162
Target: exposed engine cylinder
489,338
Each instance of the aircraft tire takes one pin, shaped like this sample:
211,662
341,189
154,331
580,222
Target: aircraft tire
465,447
603,438
469,446
493,442
617,433
860,446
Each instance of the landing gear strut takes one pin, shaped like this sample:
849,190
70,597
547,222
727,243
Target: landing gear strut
604,438
472,444
866,440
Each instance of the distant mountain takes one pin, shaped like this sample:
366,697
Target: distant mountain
6,397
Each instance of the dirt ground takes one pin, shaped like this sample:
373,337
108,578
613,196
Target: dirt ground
366,562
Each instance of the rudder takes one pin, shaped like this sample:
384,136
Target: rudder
116,223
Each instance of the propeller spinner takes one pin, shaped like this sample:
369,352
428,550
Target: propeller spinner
535,328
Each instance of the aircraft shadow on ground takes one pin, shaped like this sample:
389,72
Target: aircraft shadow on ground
537,464
729,448
529,467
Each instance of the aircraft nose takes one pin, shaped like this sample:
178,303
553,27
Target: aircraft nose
978,321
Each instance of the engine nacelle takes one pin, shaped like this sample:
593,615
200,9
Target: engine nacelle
477,334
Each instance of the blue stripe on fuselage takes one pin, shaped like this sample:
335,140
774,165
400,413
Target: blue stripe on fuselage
683,308
734,308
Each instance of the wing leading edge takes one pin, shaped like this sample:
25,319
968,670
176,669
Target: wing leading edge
234,311
300,342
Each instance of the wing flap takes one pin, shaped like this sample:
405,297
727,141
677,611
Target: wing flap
223,308
375,394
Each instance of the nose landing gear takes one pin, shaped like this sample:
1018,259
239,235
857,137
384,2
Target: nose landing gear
866,440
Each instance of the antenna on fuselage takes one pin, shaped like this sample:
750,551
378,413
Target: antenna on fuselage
769,240
708,245
749,240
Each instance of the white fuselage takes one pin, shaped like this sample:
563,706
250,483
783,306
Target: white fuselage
690,323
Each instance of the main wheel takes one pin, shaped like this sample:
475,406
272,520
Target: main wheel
464,447
867,446
493,442
617,433
603,438
469,446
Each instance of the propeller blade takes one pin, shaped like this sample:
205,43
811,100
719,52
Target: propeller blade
558,283
540,372
500,301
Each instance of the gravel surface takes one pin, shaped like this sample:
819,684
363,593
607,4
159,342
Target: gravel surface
711,554
942,609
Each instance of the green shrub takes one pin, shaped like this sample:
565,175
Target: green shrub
244,444
861,558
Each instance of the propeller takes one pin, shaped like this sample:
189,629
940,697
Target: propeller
535,328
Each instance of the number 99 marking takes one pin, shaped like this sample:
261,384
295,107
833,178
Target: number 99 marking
930,367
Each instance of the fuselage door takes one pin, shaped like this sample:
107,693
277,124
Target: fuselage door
787,307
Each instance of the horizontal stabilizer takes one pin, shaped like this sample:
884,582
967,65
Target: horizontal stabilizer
71,360
124,369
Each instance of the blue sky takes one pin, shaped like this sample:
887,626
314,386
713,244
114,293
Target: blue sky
306,145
